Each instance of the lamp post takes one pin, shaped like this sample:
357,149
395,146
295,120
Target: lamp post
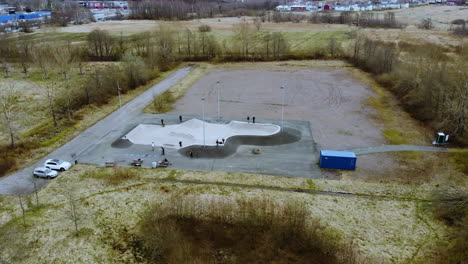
282,106
203,114
219,99
118,91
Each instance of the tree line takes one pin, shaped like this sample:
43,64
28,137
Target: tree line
430,84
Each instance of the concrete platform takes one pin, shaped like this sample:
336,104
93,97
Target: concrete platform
296,155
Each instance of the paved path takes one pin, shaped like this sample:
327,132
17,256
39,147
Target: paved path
389,148
22,181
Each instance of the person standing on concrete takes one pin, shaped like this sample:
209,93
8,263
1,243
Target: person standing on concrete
180,119
253,119
152,146
248,119
180,143
162,122
163,152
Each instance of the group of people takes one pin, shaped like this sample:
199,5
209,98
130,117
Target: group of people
253,119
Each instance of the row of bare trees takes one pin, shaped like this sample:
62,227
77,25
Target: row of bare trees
189,9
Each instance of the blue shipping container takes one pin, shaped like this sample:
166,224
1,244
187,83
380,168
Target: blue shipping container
343,160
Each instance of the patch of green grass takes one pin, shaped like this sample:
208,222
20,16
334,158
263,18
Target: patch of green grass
163,103
60,136
172,175
311,184
48,135
395,137
459,158
53,37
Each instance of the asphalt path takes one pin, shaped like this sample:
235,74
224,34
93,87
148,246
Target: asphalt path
22,182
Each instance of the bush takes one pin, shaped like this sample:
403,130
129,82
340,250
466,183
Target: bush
194,230
426,23
204,28
7,162
163,103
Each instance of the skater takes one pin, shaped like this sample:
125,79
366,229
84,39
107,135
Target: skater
180,119
217,143
248,119
223,141
253,119
152,146
163,152
180,143
162,122
191,154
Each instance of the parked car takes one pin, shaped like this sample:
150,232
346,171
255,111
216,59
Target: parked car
44,173
56,164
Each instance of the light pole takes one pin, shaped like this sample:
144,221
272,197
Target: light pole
282,106
203,114
219,99
118,91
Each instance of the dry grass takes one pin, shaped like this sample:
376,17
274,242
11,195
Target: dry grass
391,231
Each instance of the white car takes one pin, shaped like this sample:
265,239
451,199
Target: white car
44,173
56,164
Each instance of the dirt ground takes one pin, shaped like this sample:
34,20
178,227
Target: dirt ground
332,101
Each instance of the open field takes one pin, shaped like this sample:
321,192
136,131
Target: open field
222,27
440,14
388,231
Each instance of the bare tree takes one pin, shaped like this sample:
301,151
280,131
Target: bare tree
25,57
165,45
10,107
6,68
41,57
63,59
101,44
49,91
20,192
245,34
257,23
36,190
72,201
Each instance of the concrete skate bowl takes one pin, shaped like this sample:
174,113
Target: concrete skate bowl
121,143
285,136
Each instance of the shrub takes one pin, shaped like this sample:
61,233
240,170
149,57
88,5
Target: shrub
163,103
426,23
204,28
196,230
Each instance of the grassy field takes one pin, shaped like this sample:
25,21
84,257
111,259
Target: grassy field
110,205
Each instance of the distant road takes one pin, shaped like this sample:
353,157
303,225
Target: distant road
21,182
